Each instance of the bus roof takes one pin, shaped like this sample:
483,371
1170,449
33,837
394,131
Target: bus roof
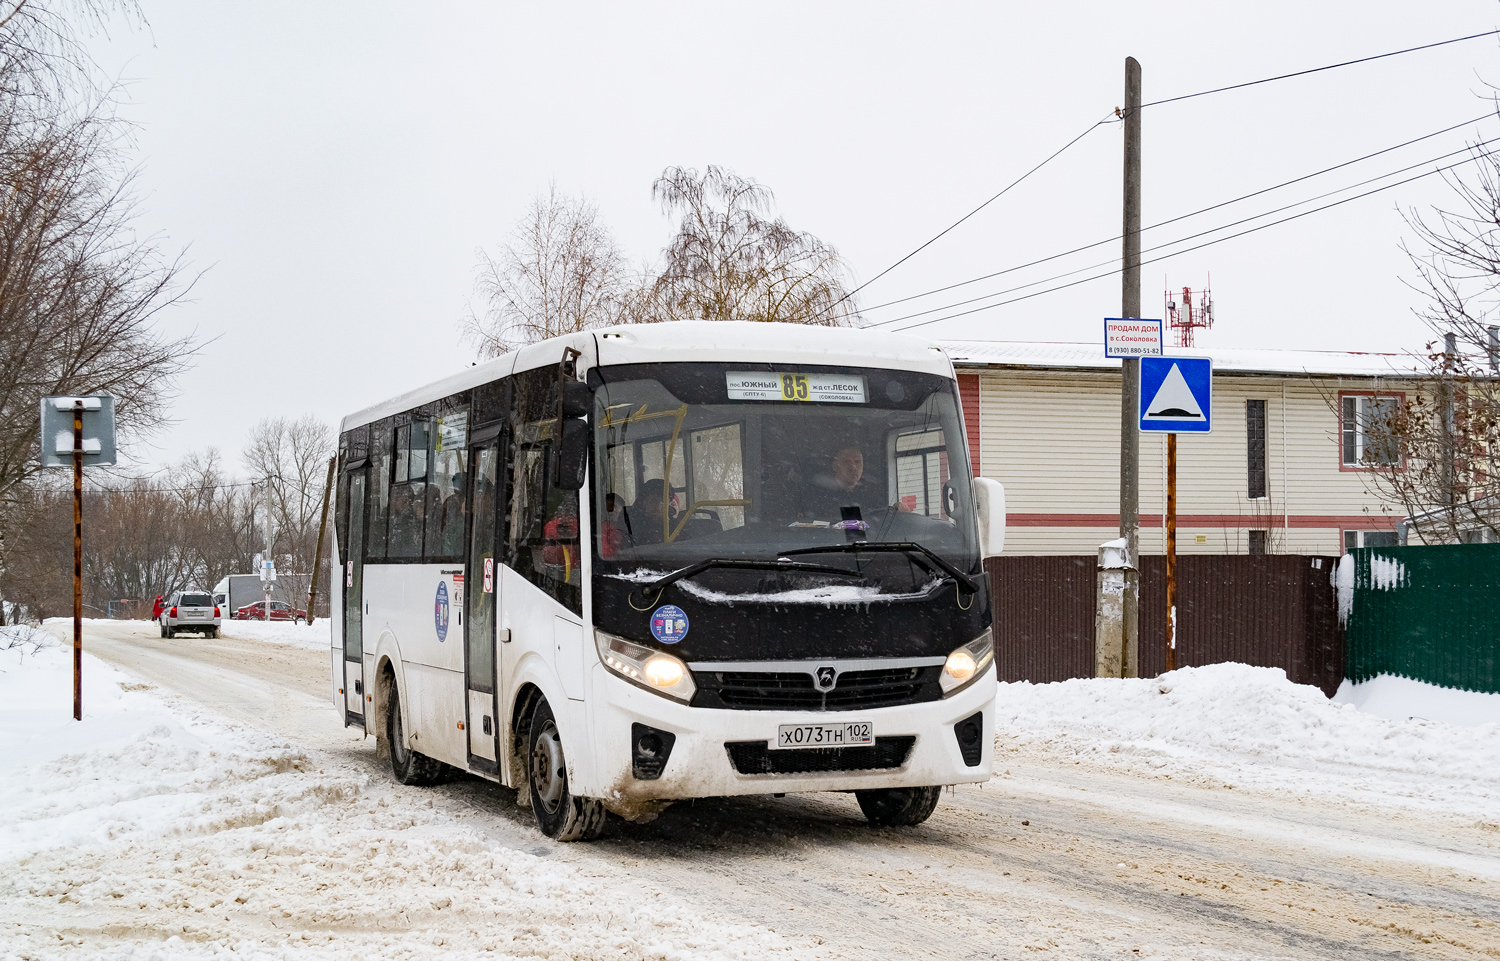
684,342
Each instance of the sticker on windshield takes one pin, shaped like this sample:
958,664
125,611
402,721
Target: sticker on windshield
440,611
774,385
669,624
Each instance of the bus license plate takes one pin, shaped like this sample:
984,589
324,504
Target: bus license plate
791,736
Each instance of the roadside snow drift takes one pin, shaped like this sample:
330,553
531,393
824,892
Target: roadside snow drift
1240,726
148,831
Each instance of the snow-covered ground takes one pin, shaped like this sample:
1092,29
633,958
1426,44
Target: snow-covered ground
1402,699
210,805
181,836
313,637
1250,727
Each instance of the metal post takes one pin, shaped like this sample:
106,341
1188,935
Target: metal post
1130,383
78,560
1171,552
312,592
269,558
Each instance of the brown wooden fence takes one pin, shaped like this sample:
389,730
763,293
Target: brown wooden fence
1273,610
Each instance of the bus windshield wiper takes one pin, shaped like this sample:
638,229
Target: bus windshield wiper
754,564
925,556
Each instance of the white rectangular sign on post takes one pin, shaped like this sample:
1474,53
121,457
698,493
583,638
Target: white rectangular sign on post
1132,337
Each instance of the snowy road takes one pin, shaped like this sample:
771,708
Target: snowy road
1070,858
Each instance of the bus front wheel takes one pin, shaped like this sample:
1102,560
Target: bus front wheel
898,806
409,767
561,816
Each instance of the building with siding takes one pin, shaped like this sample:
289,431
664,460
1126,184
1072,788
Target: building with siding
1283,471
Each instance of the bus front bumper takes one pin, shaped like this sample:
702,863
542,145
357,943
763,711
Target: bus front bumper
718,753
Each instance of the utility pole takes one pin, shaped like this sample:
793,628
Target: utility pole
1130,383
78,560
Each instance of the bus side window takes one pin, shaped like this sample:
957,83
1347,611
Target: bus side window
542,529
409,490
379,490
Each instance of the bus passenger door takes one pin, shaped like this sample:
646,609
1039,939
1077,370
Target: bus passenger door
354,598
482,583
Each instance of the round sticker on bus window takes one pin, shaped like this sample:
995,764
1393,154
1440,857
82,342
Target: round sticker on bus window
440,611
669,624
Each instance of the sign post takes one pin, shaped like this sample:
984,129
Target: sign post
74,428
1176,396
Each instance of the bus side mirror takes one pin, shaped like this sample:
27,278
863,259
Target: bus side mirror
572,454
573,398
989,508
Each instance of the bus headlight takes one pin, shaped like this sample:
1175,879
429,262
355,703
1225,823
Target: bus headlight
967,663
656,671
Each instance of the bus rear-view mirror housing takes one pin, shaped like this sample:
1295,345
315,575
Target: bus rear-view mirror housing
989,507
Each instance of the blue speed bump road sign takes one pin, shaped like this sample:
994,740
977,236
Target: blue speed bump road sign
1176,395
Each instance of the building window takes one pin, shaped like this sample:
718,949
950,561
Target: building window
1365,429
1258,541
1255,453
1353,539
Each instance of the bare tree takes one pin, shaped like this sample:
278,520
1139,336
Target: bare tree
731,260
79,289
289,461
561,273
1437,455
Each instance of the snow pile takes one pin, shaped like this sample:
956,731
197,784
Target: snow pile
313,636
1402,699
1240,726
19,640
150,831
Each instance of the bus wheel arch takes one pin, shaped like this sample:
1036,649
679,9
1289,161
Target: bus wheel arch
380,697
520,732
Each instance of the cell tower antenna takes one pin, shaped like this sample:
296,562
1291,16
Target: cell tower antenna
1184,315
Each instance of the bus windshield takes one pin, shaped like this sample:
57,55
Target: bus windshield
735,462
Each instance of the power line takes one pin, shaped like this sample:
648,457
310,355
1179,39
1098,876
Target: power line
1202,233
1331,66
1176,253
971,213
1154,103
1173,220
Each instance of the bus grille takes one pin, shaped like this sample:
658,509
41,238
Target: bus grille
756,757
795,691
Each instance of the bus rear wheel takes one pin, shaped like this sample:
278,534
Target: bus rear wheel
898,806
561,816
409,767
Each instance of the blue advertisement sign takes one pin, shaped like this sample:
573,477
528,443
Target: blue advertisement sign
669,624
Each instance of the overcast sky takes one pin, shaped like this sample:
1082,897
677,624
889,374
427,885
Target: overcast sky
335,167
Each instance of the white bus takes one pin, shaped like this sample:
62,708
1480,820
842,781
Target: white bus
630,566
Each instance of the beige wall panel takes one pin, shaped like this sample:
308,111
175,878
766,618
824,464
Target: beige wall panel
1052,437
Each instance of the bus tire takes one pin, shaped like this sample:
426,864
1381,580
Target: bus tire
898,806
561,816
409,766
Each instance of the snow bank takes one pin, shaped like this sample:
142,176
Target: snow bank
1402,699
151,831
313,636
1230,724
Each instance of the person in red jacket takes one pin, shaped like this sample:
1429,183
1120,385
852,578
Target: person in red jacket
156,608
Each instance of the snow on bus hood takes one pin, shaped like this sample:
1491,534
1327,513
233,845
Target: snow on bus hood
833,595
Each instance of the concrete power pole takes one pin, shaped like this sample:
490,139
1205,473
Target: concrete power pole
1130,387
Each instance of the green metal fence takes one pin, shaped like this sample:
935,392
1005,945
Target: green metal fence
1428,613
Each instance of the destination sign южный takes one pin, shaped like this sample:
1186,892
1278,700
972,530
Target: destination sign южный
775,385
1132,337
